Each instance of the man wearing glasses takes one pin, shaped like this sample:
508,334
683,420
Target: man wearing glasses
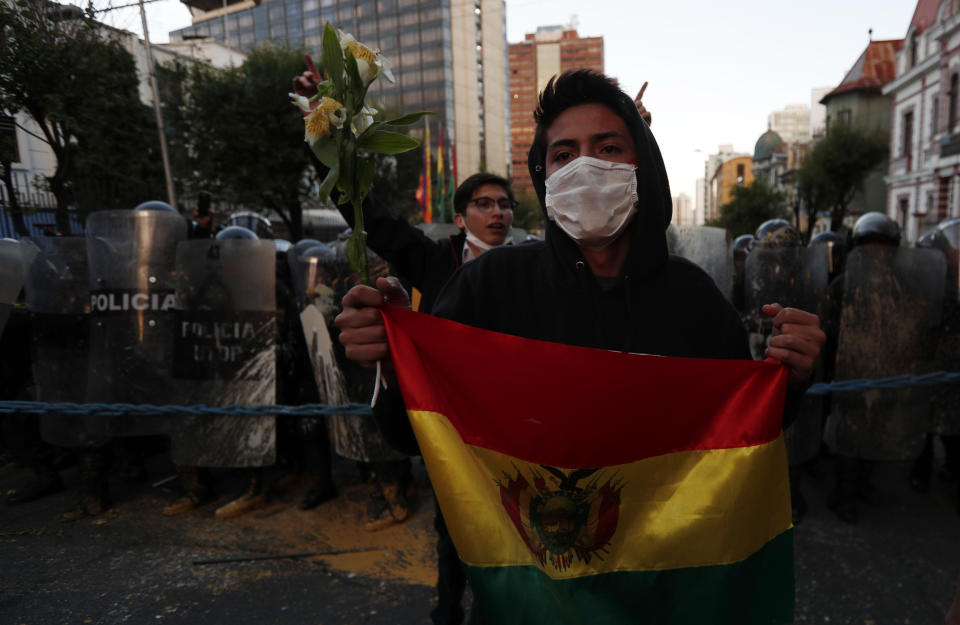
483,206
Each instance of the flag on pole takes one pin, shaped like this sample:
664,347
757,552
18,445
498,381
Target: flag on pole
441,189
422,191
592,486
428,206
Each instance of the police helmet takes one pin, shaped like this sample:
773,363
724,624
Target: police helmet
876,227
933,239
777,233
237,232
156,205
252,221
283,246
949,229
303,245
320,250
742,245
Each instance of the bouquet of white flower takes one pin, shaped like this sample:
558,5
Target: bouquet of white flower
342,130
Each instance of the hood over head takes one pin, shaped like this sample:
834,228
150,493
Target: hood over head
654,207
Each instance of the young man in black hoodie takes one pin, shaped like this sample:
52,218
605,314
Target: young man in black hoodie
602,278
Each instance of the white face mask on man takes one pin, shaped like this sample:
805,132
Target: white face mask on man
592,200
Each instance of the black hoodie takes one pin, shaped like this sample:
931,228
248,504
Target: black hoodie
660,304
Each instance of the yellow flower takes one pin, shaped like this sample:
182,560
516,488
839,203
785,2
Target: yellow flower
317,123
370,63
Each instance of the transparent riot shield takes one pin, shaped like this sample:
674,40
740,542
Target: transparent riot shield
945,399
11,278
224,351
327,279
58,299
798,278
707,247
892,301
131,256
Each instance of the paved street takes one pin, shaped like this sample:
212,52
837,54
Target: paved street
132,565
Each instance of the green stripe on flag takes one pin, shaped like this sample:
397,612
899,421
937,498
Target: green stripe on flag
755,591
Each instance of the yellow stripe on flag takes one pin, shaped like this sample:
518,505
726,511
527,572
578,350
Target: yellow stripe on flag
683,509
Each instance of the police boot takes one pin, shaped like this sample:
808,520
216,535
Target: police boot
843,501
196,491
922,468
93,486
46,483
251,499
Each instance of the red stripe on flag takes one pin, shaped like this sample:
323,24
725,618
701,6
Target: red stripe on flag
524,398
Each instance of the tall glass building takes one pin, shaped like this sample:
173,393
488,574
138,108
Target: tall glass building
448,56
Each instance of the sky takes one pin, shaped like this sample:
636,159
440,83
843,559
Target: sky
716,70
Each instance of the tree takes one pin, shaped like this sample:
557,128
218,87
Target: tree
834,171
235,133
81,88
751,206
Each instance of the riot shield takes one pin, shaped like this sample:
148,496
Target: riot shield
131,256
327,278
945,399
892,300
11,278
57,297
224,351
793,277
709,248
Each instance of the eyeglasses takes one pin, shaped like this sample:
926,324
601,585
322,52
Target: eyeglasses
486,204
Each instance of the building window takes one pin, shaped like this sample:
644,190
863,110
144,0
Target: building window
740,174
908,137
9,149
913,50
935,116
952,120
903,210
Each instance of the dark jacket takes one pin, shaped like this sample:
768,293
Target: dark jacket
420,261
660,304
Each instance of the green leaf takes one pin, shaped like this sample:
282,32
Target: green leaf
368,170
385,142
327,186
333,57
406,120
326,150
357,90
357,253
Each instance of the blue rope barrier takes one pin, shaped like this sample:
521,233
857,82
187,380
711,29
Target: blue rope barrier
322,410
897,381
72,408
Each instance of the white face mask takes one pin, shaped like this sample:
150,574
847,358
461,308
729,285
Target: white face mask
592,200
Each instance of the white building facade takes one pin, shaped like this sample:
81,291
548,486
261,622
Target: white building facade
924,178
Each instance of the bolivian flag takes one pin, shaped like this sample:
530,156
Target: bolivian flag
587,486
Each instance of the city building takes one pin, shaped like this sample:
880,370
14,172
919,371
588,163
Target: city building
684,211
533,61
735,171
923,184
792,123
448,57
707,207
859,101
818,112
